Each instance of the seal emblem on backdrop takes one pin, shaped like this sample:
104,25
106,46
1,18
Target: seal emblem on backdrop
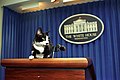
81,28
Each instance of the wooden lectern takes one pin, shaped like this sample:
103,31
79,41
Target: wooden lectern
49,69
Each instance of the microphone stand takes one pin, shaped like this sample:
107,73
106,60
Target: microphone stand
53,52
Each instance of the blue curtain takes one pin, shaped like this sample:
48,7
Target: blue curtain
9,36
19,30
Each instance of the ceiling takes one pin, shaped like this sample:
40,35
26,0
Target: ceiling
34,5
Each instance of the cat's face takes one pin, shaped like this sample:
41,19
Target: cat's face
41,38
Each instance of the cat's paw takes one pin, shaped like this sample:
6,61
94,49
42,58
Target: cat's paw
31,57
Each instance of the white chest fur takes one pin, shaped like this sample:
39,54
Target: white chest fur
39,48
39,55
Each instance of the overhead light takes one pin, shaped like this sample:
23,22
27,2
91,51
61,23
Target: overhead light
53,0
41,3
56,1
28,6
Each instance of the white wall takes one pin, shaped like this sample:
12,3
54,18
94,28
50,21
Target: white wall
5,3
1,14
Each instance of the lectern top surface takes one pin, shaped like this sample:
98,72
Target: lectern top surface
48,62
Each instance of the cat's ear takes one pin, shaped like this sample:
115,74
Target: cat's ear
39,31
47,33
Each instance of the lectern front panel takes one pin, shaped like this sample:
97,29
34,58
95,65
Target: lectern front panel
44,74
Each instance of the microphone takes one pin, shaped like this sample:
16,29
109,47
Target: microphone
59,48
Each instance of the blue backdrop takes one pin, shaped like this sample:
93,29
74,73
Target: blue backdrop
19,30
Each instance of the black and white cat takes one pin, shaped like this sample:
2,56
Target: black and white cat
42,47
